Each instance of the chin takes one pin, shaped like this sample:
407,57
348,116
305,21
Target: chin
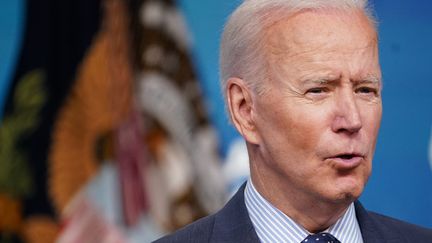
349,193
350,186
345,190
341,198
349,196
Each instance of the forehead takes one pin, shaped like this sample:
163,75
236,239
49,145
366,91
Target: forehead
322,30
317,43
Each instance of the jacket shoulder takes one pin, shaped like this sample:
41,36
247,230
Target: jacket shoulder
409,232
199,231
379,228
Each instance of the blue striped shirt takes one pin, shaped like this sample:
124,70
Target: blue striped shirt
274,226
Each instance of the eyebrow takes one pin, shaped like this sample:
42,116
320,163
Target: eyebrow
322,80
368,79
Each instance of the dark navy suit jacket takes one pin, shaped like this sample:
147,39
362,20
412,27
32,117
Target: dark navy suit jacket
232,224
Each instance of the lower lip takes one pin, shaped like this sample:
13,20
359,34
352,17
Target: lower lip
346,164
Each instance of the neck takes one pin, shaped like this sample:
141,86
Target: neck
311,212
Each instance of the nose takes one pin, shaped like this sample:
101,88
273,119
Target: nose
347,116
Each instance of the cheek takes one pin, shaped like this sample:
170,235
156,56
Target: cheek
291,129
372,120
377,119
303,127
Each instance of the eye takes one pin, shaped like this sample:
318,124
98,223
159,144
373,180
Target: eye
367,90
317,90
317,93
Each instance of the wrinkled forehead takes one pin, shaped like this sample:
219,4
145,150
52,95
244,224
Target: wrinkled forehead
323,29
322,43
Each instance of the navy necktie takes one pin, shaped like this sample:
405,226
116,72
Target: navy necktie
321,238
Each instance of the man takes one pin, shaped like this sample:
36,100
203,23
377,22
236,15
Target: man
302,84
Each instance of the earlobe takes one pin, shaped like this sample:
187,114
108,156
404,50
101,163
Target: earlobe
241,109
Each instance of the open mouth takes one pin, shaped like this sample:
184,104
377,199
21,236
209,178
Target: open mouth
346,161
347,156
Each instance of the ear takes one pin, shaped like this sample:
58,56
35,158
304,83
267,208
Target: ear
241,109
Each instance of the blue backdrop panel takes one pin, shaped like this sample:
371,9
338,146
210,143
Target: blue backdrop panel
402,180
11,27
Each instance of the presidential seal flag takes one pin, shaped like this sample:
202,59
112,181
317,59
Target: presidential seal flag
182,141
105,135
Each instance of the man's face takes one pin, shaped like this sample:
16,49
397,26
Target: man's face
318,122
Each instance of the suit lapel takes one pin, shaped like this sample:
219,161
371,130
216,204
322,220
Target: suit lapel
372,230
369,232
232,223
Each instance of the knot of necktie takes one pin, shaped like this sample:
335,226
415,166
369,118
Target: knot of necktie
321,238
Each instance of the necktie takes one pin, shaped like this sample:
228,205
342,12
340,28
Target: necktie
321,238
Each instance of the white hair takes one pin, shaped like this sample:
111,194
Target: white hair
241,50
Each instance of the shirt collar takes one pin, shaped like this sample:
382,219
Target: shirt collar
272,225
